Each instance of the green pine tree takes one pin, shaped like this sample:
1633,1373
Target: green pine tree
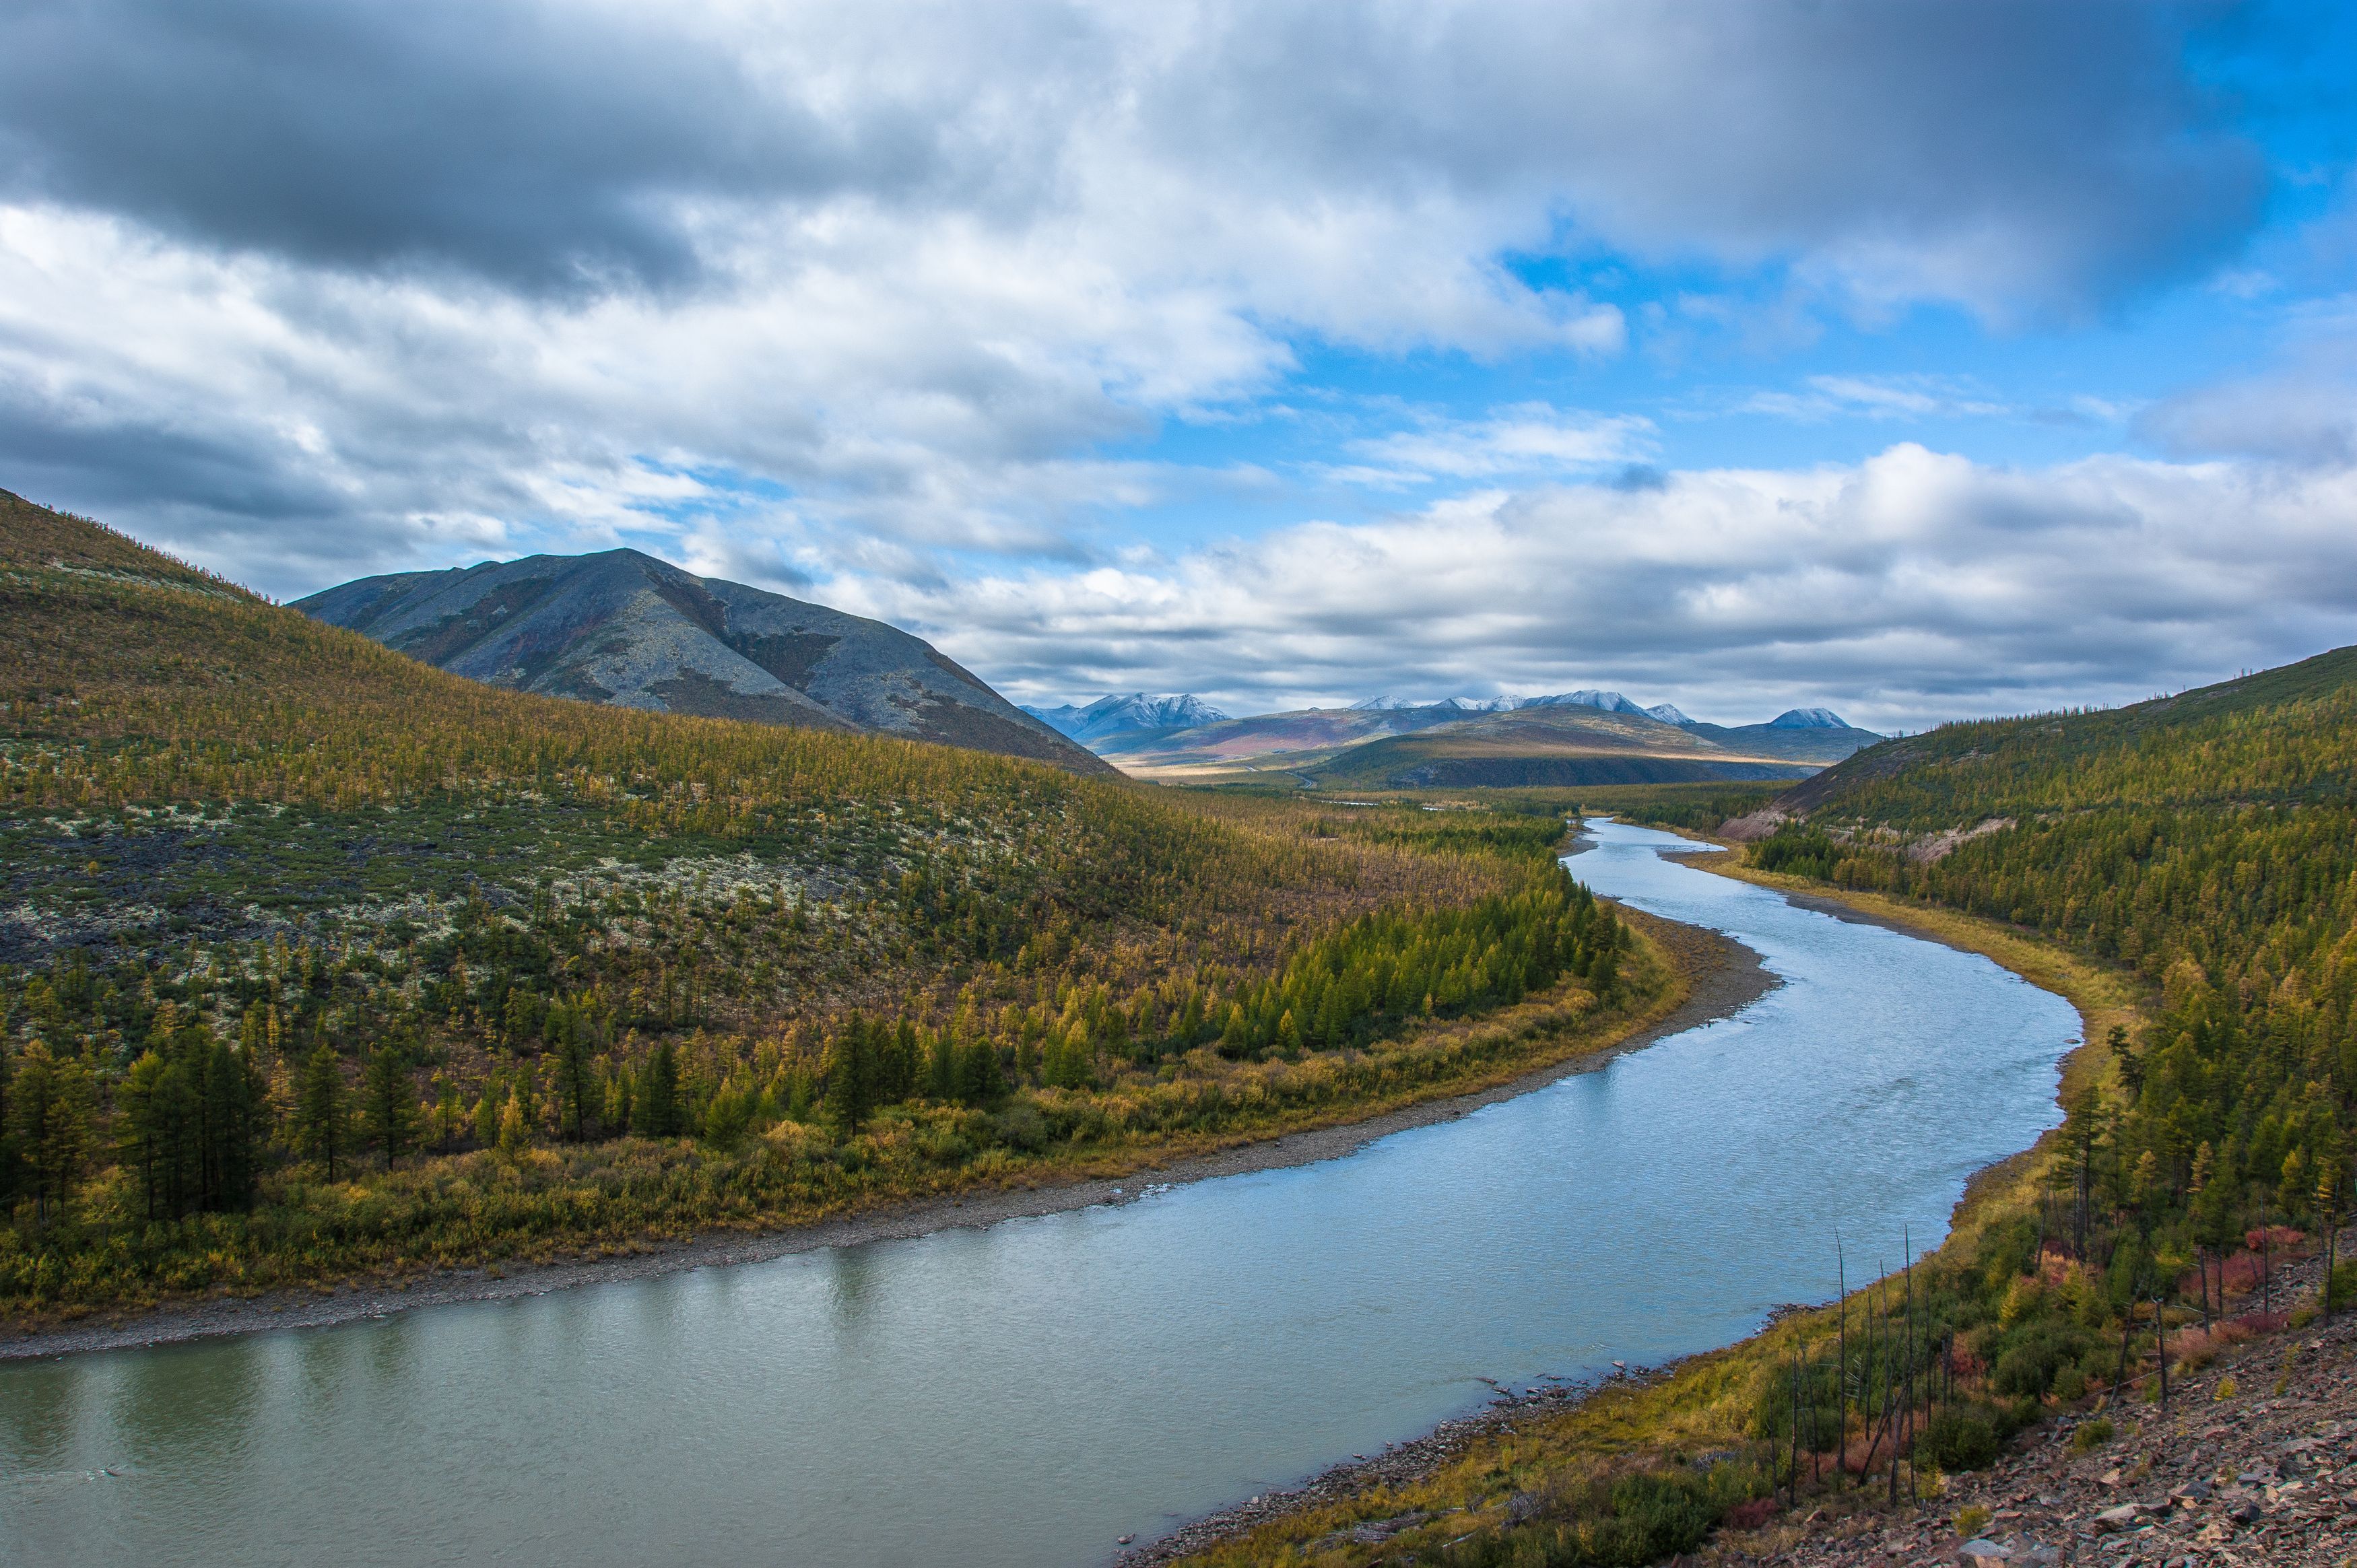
48,1110
322,1113
576,1083
850,1078
389,1100
656,1110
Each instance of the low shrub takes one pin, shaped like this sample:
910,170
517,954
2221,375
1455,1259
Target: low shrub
2027,1367
1958,1440
1626,1521
2091,1435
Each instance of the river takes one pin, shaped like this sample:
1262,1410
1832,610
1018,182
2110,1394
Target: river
1027,1393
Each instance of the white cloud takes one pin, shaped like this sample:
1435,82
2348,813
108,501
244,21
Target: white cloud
365,285
2300,409
1521,439
1908,588
1879,397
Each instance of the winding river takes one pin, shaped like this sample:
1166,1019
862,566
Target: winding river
1027,1393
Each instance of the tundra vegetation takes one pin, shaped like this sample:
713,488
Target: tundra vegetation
2185,871
315,960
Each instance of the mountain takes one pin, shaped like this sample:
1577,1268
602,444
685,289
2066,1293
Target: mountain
1610,702
1121,716
1569,744
1813,743
1263,740
1808,718
1604,702
2282,738
623,628
1572,737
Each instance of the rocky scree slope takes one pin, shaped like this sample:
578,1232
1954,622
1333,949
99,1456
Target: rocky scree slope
626,629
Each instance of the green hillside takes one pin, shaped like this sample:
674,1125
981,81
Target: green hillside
2206,843
1549,746
280,907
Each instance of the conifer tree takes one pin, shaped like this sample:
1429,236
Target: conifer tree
9,1168
449,1115
139,1134
389,1100
514,1127
656,1110
49,1118
574,1085
850,1078
234,1124
979,1080
941,1080
322,1110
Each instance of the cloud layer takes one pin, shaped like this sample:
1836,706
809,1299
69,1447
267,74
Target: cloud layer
888,301
1910,588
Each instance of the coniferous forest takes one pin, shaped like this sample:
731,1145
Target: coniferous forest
2203,849
316,958
2206,844
2186,871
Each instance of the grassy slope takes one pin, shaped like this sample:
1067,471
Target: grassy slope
233,811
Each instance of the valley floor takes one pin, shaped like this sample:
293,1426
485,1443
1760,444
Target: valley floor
1712,977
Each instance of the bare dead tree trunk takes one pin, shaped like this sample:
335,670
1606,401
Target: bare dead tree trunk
1841,1363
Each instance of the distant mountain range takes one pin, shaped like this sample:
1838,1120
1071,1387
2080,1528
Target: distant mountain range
1609,701
625,628
1572,737
1124,716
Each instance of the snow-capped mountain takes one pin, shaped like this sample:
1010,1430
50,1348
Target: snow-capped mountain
1808,718
1117,714
1609,702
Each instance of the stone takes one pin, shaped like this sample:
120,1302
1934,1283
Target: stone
1376,1531
1978,1553
2124,1517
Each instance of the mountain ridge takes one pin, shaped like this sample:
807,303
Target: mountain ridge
1119,714
628,629
1576,737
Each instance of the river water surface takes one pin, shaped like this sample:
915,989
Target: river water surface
1027,1393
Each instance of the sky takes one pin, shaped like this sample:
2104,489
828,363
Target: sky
1919,360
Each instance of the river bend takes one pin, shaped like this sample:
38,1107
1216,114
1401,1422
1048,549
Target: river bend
1026,1394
